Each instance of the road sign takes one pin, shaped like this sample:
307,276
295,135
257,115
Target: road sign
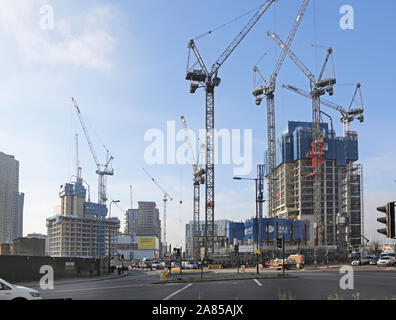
257,251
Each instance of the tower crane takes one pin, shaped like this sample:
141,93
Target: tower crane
102,171
347,115
318,87
198,179
208,79
269,91
165,200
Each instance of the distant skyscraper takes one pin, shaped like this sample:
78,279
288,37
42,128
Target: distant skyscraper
11,200
148,222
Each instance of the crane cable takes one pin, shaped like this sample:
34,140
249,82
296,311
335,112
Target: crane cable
227,23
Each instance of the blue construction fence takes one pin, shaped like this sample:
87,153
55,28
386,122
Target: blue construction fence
273,228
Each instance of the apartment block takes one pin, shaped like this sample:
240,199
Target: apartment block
11,200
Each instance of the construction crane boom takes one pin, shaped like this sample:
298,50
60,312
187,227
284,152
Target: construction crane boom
209,80
239,37
347,116
289,40
84,127
322,101
292,56
157,184
187,134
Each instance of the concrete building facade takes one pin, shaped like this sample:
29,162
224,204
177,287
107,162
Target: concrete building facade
131,219
34,247
11,200
148,222
81,229
39,236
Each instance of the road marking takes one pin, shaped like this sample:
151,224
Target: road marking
258,283
178,291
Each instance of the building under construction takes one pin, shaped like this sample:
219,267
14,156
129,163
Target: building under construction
80,228
341,184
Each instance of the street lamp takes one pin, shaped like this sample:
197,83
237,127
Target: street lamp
109,252
257,225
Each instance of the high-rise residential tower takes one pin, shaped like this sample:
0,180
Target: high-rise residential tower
11,200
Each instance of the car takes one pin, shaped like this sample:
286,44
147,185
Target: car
385,261
355,262
373,260
9,291
156,265
191,265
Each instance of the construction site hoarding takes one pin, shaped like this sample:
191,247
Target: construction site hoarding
273,228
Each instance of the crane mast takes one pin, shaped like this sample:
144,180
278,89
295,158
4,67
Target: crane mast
165,199
318,88
209,80
198,179
269,91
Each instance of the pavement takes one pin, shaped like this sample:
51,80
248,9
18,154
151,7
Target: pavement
316,284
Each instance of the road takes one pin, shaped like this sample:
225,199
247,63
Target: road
369,283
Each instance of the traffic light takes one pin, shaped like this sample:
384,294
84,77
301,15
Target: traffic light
122,258
389,220
236,248
177,252
279,243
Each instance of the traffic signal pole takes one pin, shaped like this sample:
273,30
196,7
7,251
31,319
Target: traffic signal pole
283,255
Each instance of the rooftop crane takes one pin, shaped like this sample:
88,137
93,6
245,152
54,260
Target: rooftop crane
268,90
209,80
318,87
79,179
165,200
198,179
102,171
347,115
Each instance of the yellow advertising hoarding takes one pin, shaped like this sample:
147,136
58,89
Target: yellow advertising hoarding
146,243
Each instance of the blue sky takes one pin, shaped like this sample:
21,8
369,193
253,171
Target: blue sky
124,62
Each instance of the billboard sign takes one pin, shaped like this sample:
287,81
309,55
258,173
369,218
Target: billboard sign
146,243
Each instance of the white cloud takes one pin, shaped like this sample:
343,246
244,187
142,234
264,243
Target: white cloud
81,40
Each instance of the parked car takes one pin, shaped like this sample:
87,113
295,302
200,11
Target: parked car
373,260
192,265
385,261
9,291
355,262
